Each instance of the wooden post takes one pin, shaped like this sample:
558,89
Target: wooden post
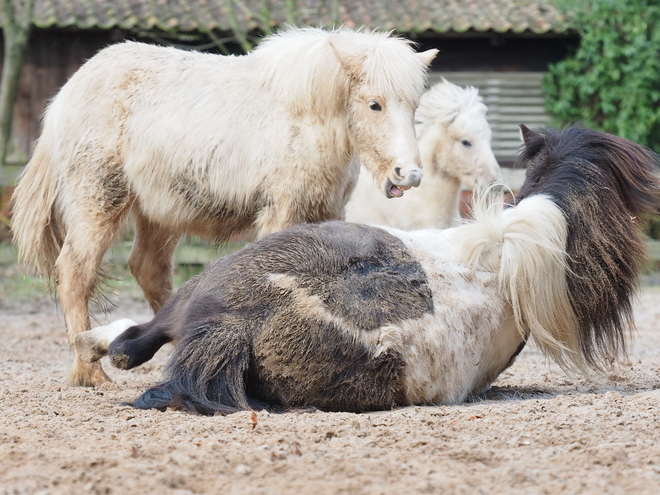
16,31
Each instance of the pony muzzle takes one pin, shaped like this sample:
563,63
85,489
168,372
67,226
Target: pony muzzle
412,177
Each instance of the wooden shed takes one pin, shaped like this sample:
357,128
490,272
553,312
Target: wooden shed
501,46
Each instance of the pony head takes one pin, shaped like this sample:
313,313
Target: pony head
372,80
386,78
452,120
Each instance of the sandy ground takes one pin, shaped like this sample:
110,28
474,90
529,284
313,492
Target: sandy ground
536,432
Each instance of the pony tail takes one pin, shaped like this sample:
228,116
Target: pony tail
525,245
163,396
206,374
533,275
36,225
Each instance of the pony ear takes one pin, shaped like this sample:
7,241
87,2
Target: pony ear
527,134
427,56
350,62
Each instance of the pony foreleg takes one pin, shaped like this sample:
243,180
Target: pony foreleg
139,343
128,344
273,219
93,344
294,209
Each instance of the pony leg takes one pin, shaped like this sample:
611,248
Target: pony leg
281,215
139,343
78,267
270,220
287,210
128,344
93,344
151,261
206,372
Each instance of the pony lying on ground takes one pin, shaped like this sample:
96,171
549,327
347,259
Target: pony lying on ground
348,317
454,143
186,142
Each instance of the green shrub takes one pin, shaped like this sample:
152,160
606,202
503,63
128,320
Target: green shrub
612,81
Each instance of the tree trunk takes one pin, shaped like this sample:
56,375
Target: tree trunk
16,32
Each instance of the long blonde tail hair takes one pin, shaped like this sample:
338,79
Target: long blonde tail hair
37,230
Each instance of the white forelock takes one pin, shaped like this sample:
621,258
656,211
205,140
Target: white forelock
444,101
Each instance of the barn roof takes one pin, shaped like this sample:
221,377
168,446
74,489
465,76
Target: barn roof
440,16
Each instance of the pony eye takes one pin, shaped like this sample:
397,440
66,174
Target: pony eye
466,143
375,106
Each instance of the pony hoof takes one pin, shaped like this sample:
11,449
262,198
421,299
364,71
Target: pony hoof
88,375
93,381
121,360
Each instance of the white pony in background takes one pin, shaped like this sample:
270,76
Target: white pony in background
454,142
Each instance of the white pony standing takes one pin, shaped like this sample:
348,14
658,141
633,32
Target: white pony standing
187,142
454,142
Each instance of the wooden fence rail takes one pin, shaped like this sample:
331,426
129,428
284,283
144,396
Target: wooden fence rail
200,255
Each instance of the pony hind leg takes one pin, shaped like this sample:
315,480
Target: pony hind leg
151,260
139,343
127,343
94,344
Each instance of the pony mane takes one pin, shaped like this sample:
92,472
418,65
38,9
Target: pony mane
603,184
444,101
301,66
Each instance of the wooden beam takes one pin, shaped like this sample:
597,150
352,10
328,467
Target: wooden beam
190,254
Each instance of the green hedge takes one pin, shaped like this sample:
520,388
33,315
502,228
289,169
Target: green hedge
612,81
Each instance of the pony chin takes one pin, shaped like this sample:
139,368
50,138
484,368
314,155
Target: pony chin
391,189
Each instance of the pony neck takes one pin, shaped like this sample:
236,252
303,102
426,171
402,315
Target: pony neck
441,193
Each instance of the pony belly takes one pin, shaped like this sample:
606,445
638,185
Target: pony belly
193,210
468,339
446,364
